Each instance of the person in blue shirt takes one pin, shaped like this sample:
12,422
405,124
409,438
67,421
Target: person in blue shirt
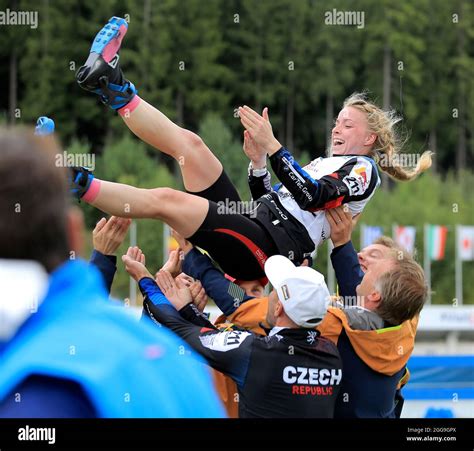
66,350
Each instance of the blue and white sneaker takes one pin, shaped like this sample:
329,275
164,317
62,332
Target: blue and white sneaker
101,73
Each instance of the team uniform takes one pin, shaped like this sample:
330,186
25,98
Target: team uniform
288,220
374,353
290,373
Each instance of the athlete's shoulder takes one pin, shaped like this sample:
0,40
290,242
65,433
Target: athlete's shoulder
361,175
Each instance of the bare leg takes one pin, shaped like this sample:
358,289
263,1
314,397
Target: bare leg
200,168
182,211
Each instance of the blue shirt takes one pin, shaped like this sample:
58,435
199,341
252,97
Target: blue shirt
118,367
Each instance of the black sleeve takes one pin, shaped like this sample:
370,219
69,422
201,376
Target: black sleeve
259,185
107,265
355,180
191,313
227,351
227,295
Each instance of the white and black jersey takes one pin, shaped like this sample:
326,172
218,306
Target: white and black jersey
322,184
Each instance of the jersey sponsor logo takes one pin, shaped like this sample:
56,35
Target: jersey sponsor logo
362,173
292,169
313,165
224,341
357,180
300,186
311,376
278,209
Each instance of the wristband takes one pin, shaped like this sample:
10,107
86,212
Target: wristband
257,172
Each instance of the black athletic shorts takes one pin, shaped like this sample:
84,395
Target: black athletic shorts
234,240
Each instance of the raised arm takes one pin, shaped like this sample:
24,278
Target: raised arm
107,236
227,295
228,351
259,178
344,257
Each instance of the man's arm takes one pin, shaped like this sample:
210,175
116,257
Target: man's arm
107,236
107,265
228,351
227,295
347,268
344,257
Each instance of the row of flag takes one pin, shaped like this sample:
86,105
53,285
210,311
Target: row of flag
435,239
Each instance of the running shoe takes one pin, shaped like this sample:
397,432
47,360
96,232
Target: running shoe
101,73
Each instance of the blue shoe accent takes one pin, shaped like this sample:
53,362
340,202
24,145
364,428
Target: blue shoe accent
107,33
80,180
44,126
116,96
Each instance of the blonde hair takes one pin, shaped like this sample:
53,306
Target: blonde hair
386,148
403,289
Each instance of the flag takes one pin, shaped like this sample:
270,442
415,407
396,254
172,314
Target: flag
437,241
405,237
466,242
369,234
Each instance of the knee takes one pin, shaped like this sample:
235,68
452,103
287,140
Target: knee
163,200
192,140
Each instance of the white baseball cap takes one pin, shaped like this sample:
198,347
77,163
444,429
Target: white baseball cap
301,290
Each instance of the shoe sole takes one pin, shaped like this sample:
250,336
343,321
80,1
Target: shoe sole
109,39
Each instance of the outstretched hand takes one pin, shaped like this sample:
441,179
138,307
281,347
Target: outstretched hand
134,261
179,297
108,235
198,293
259,129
